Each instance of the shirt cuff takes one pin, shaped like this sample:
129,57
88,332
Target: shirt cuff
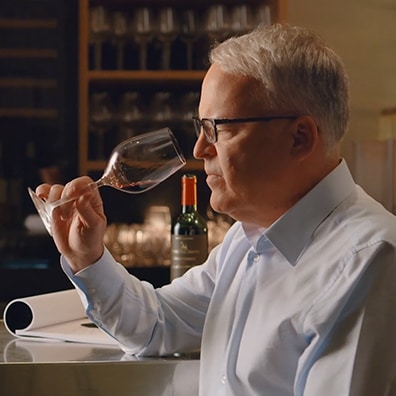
102,277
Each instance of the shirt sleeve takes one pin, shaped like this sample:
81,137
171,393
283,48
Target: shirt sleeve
145,320
353,350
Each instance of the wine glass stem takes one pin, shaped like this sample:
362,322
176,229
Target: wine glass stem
166,54
120,56
98,55
189,55
91,186
143,56
100,144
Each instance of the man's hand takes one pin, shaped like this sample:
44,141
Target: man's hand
78,227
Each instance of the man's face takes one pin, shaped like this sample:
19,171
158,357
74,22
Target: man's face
247,166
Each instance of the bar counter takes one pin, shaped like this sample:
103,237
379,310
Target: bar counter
48,368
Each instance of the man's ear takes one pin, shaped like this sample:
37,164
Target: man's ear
305,137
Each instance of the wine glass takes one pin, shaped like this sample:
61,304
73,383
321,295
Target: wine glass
217,22
263,14
120,31
101,119
162,108
143,30
187,109
242,19
131,114
99,31
189,29
168,29
136,165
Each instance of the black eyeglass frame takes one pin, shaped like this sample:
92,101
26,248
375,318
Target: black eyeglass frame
199,123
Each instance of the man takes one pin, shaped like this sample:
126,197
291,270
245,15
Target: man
298,299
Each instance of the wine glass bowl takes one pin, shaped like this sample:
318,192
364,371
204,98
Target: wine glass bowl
263,14
136,165
242,19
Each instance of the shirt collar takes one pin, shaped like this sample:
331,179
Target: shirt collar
293,231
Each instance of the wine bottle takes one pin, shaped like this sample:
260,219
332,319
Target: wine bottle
189,233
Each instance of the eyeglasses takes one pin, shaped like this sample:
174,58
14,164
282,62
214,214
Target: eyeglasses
209,125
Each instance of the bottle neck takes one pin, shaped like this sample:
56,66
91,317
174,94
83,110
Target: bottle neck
188,208
189,194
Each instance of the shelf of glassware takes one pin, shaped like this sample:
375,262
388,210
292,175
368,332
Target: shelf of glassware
278,7
139,79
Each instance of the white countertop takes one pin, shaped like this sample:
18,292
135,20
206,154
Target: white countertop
42,368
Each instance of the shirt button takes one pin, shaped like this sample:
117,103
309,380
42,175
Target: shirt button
223,379
256,258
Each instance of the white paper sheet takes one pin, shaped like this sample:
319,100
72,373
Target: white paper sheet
57,316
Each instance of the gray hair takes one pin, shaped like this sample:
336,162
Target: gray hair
297,73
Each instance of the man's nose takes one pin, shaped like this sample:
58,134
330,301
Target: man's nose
201,147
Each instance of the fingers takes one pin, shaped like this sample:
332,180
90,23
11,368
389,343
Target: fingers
75,188
86,197
78,187
49,193
90,209
78,226
43,190
54,193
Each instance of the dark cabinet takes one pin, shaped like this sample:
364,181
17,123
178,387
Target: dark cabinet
38,90
38,132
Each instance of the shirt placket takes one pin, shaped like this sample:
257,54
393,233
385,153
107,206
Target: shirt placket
228,377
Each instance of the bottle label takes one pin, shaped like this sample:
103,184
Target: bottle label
187,251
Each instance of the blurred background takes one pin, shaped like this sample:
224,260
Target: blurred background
78,76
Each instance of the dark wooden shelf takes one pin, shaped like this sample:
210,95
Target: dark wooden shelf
28,113
24,23
28,83
28,53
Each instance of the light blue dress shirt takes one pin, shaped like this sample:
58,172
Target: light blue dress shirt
306,307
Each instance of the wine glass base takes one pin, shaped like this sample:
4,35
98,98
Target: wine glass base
43,210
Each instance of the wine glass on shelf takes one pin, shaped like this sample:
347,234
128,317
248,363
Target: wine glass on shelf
101,119
242,19
136,165
263,14
189,33
217,22
162,108
131,114
143,28
188,105
99,32
120,32
168,29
